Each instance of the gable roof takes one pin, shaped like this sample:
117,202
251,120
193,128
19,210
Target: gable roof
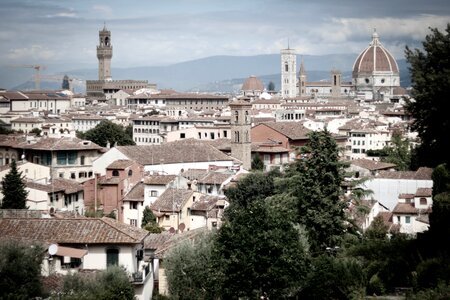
136,193
422,173
57,185
182,151
71,231
172,200
292,130
371,165
159,179
63,143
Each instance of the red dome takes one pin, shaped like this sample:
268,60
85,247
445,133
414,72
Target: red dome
375,58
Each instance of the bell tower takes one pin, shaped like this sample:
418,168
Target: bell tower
104,54
288,73
302,80
240,132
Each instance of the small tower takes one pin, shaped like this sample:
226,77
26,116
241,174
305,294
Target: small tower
104,54
335,83
302,80
288,73
240,132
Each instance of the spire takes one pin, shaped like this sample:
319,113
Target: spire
302,67
104,26
375,38
288,44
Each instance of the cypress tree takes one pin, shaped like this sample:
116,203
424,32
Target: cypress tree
13,189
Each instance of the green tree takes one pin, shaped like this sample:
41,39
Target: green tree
113,283
20,270
398,152
377,229
430,70
258,250
13,189
149,221
271,86
313,183
107,131
36,131
187,268
257,163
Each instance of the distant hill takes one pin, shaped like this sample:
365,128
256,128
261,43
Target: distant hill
215,73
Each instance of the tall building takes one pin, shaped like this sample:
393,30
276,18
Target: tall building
105,87
375,72
240,132
104,54
302,80
288,73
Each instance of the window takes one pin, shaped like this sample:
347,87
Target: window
407,219
130,173
82,158
115,173
133,205
72,175
154,193
423,201
133,222
112,257
182,135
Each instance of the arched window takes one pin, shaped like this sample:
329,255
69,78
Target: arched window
236,116
423,201
130,172
115,173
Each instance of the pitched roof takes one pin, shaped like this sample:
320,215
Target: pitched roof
292,130
63,143
371,164
159,179
136,193
172,200
421,174
188,150
71,231
214,177
120,164
57,185
424,192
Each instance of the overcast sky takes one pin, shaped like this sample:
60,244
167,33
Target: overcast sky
161,32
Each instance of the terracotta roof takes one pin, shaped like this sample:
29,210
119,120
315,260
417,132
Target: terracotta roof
424,192
171,200
405,208
214,177
136,193
72,231
120,164
205,203
159,179
421,174
188,150
63,143
57,185
292,130
406,196
372,165
194,174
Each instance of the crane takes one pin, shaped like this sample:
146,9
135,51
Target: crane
60,79
37,75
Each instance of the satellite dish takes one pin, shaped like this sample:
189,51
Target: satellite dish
52,249
172,230
181,227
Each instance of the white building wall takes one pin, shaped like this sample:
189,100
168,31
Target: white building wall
174,169
386,191
96,257
132,214
99,165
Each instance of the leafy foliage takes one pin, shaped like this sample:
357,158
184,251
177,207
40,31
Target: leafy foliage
377,229
399,152
13,189
149,221
20,270
314,182
430,70
257,163
258,251
187,268
107,131
112,283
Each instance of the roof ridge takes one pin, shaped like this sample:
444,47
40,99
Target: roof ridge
119,229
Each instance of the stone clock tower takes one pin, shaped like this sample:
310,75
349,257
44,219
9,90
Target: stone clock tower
240,132
104,55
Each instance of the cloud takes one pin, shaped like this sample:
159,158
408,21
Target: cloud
104,10
35,53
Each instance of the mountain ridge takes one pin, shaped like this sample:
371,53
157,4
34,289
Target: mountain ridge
205,74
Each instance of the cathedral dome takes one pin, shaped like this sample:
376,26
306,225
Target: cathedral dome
375,58
252,84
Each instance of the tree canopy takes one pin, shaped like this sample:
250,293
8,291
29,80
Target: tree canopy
107,131
430,73
20,270
399,152
13,189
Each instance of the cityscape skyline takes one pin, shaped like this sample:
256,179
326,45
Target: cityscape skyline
162,33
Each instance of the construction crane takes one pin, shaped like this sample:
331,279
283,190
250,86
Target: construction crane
37,74
60,78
